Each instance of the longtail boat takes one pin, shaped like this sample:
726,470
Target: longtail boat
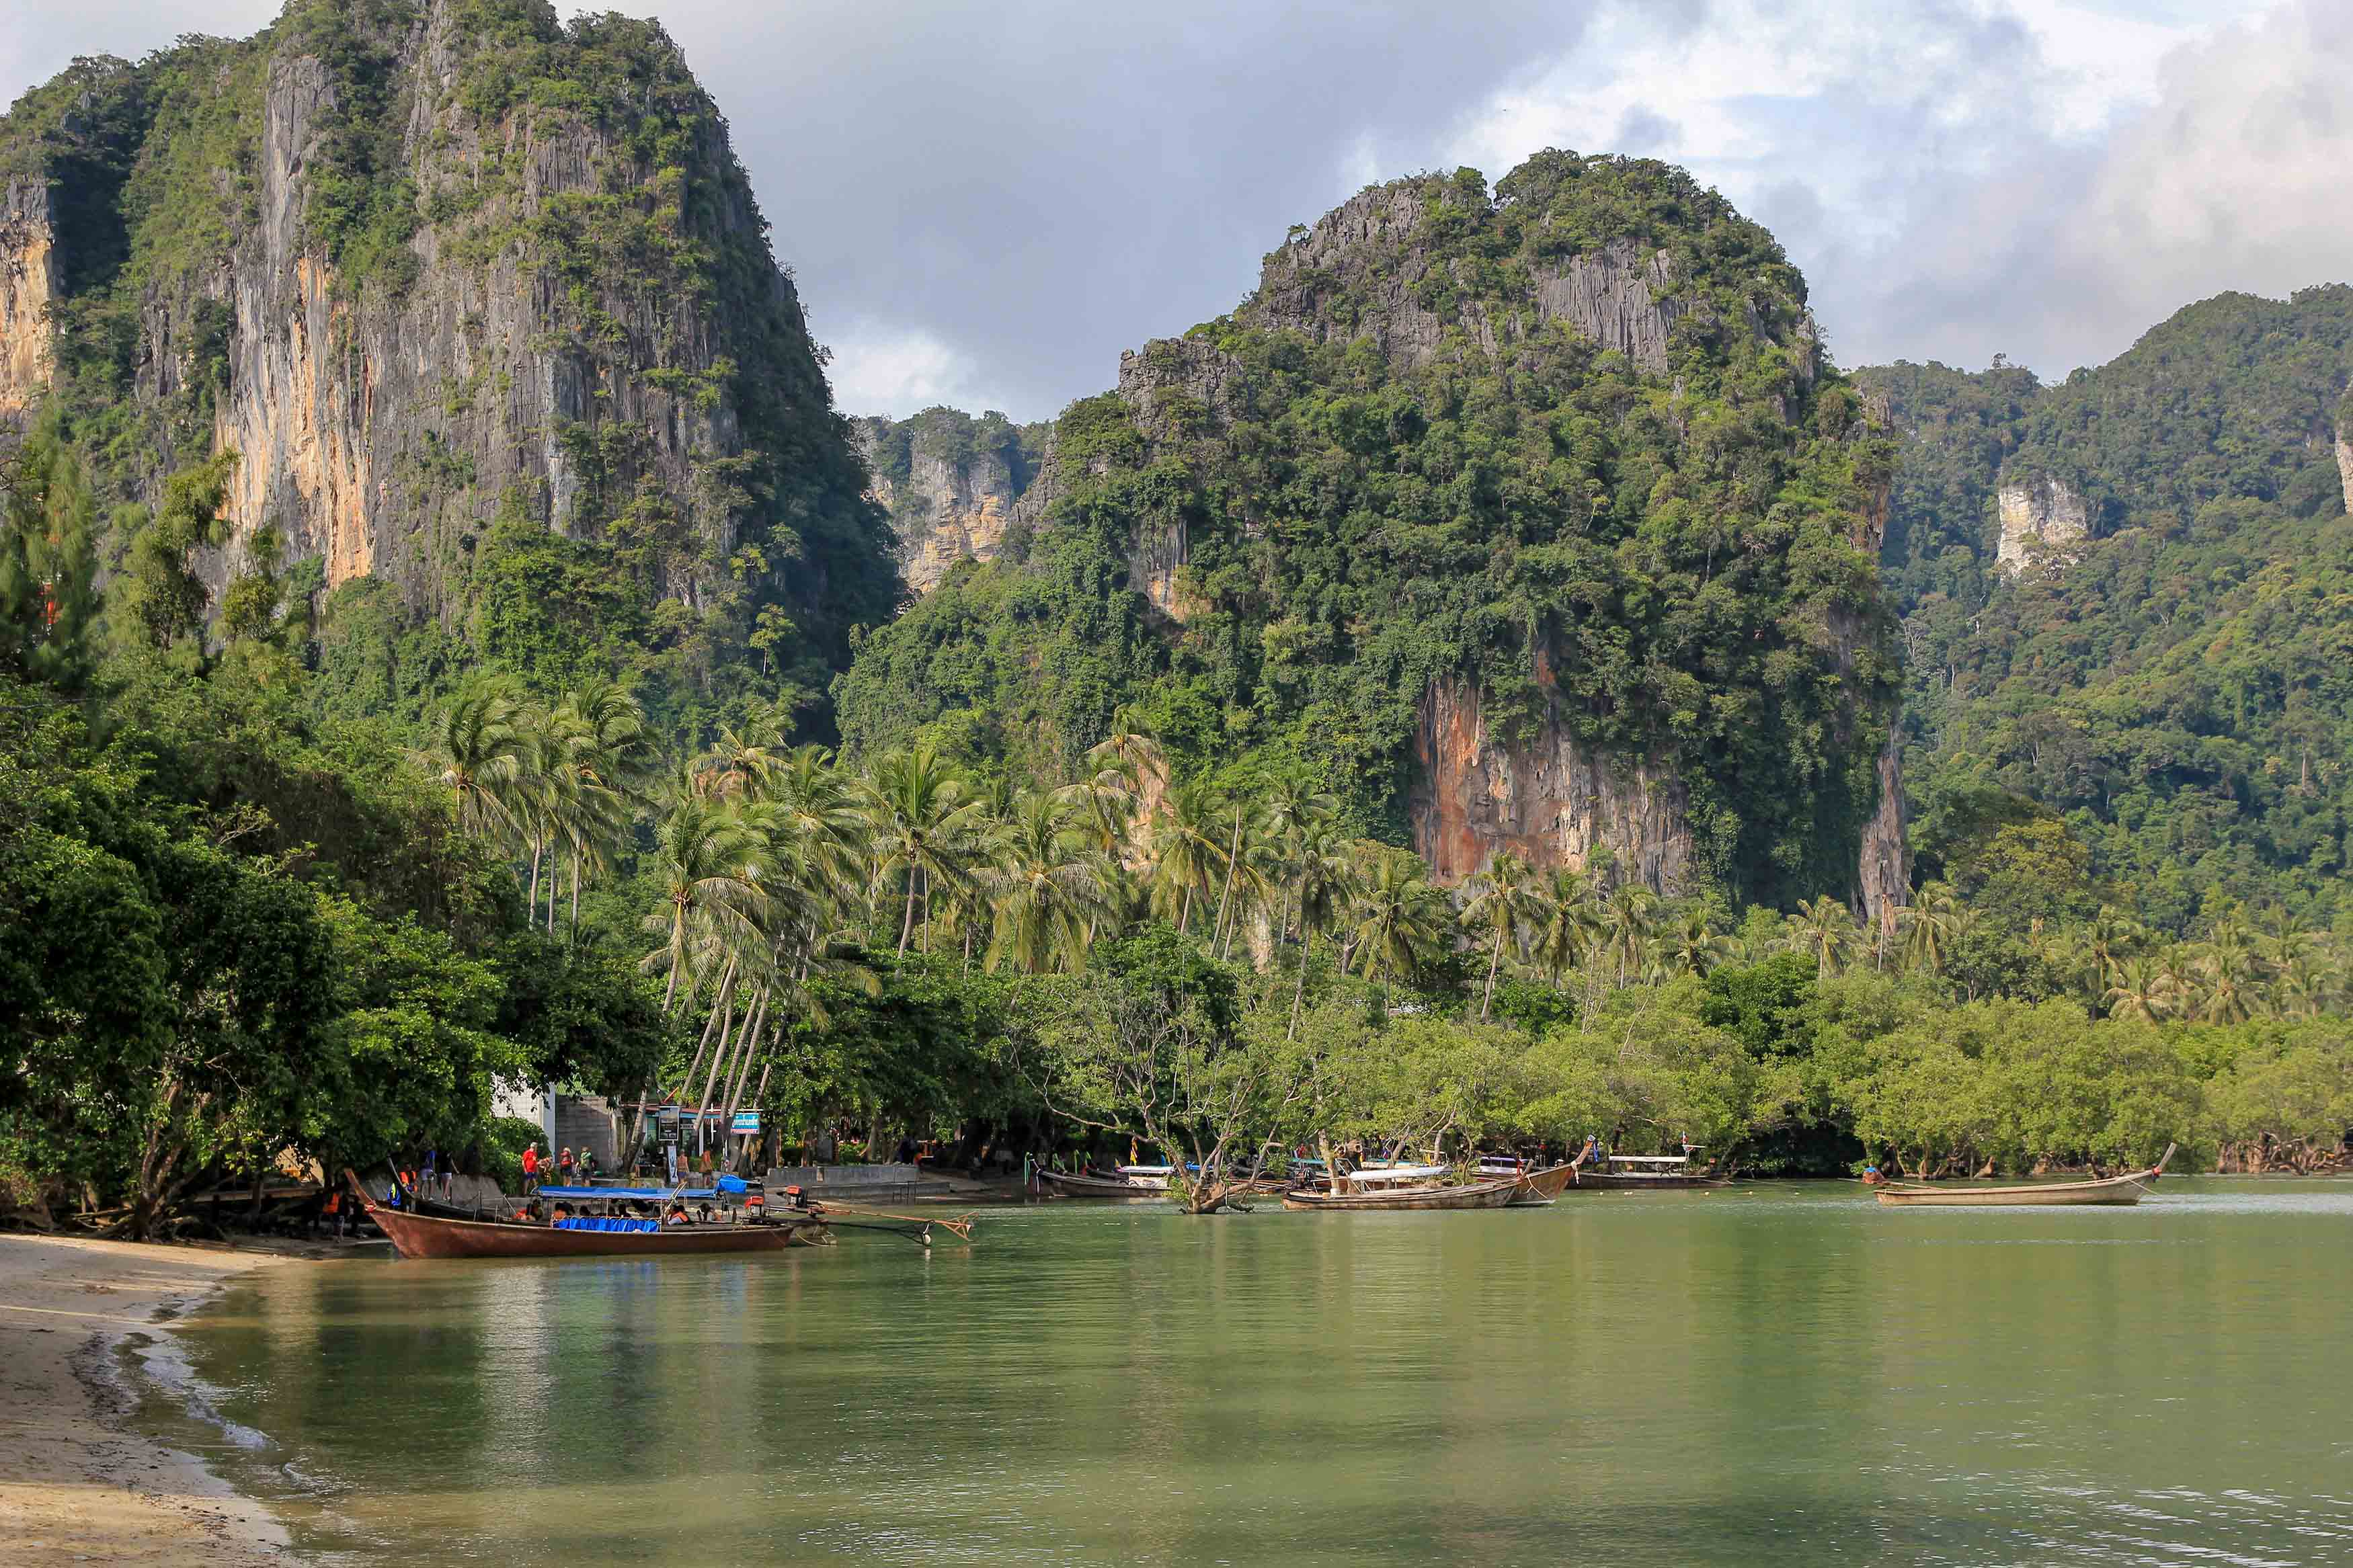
1476,1195
430,1236
1073,1186
1643,1174
2128,1188
1539,1187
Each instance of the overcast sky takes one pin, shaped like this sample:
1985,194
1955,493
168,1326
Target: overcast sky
983,204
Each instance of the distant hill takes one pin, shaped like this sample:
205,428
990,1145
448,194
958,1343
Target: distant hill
1529,519
2128,601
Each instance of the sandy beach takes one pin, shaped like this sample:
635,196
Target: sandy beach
77,1486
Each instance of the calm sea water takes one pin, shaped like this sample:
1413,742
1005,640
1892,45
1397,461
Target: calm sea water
1775,1375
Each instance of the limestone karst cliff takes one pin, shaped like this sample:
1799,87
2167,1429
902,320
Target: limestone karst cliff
951,484
27,288
425,265
2042,519
1465,508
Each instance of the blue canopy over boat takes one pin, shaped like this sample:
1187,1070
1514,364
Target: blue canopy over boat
632,1194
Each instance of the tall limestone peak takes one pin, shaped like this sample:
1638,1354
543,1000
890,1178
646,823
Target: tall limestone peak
432,267
1529,519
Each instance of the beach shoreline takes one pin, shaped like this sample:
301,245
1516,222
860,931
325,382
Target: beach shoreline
78,1484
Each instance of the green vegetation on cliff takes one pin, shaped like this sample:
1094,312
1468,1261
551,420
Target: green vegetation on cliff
548,218
2176,690
1393,466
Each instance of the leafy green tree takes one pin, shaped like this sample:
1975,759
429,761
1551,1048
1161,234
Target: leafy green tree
50,602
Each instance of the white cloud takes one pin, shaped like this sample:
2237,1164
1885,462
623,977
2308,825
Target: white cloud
878,368
995,200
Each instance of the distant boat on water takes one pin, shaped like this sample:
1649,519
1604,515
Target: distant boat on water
415,1235
2128,1188
1644,1173
1492,1195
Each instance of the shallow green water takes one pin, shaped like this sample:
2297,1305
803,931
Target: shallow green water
1776,1374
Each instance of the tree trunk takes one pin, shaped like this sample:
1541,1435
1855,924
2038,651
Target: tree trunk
1307,952
1493,963
1233,860
907,925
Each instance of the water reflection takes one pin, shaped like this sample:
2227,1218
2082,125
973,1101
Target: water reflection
1779,1374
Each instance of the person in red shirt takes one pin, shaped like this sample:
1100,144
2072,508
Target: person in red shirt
531,1168
564,1167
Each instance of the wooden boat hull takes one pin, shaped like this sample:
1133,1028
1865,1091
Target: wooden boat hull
1097,1186
2063,1195
1478,1196
1537,1187
2108,1192
1617,1182
429,1235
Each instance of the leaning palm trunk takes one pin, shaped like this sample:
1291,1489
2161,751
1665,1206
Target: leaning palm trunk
743,1071
1299,989
728,1048
1225,897
653,1079
1493,963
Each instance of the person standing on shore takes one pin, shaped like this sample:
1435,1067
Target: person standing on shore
531,1168
564,1167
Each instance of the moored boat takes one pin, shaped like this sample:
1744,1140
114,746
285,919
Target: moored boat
1476,1195
1539,1187
2128,1188
1079,1186
431,1236
1643,1174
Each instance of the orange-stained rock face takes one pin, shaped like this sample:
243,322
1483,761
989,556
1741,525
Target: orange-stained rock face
1554,803
28,286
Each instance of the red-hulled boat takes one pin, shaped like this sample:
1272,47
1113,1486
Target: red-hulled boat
430,1236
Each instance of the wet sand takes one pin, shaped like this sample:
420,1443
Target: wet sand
76,1484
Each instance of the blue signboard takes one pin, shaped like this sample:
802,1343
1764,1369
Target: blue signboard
746,1122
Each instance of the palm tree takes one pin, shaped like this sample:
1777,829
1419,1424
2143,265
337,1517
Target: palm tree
1568,924
2229,969
1102,803
925,827
1130,747
828,818
2138,991
1187,854
1503,904
1400,916
2106,942
708,866
1327,872
1047,890
606,752
1625,926
2177,968
1824,930
2305,986
1292,809
480,756
1928,924
1691,947
736,766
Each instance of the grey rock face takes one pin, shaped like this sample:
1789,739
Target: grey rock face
380,425
2345,467
2042,518
1886,868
